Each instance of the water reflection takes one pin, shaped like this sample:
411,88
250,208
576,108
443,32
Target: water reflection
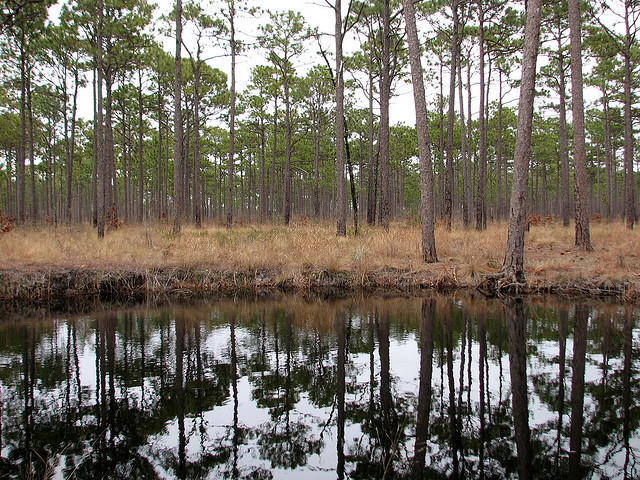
407,388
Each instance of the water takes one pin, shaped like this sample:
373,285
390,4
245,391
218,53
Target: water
441,387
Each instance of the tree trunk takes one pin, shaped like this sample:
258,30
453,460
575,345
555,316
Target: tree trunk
232,117
465,149
563,142
427,206
140,151
341,221
583,239
372,180
455,54
22,146
630,213
383,136
101,171
178,160
197,208
513,265
481,200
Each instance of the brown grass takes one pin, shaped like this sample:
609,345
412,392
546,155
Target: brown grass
464,254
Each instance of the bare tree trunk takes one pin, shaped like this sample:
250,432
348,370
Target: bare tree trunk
455,54
383,136
197,207
178,159
583,239
481,200
610,177
140,151
499,158
427,200
22,145
563,143
372,180
465,152
341,224
232,117
630,213
513,265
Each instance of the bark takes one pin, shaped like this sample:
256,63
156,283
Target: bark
197,208
232,117
499,158
70,150
372,180
99,122
178,160
341,223
513,265
465,151
22,145
33,201
455,54
629,202
383,135
610,177
481,200
263,187
583,239
140,151
563,142
427,200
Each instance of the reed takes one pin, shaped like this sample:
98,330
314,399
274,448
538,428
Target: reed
464,254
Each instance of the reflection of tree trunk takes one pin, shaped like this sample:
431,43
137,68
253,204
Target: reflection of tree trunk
564,319
424,392
482,339
234,386
372,372
340,327
386,401
453,417
111,348
517,325
626,390
142,364
463,360
577,389
28,354
179,388
199,381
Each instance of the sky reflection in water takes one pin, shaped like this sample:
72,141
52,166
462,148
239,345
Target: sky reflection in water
362,388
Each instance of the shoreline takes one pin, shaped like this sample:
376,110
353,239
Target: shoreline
58,286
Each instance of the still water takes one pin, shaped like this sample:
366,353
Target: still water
439,387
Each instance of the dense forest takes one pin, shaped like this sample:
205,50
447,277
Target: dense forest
175,137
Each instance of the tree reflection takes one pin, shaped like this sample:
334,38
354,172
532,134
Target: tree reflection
248,389
425,386
577,390
517,324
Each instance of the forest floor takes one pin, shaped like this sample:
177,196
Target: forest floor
47,263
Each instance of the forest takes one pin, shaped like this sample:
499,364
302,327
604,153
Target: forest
173,136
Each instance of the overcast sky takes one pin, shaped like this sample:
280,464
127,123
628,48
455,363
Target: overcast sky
318,15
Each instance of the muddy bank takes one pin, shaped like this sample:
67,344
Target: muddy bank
57,287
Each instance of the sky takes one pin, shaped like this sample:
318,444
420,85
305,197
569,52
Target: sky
316,13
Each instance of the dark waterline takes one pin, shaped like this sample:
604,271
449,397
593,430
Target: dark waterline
440,387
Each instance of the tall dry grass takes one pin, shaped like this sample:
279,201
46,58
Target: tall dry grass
466,254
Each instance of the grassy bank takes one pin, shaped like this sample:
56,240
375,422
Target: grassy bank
50,262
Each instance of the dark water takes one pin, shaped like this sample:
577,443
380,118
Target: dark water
404,388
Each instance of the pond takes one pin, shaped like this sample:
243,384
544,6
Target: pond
436,387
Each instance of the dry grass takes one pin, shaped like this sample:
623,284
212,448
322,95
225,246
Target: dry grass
464,254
